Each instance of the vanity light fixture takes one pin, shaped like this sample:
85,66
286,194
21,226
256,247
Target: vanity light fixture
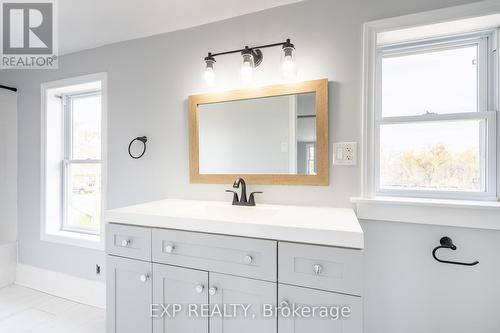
251,57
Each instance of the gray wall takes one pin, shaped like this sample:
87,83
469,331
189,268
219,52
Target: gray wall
8,165
149,81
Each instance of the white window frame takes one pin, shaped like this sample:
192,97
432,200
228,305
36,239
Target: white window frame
51,230
477,214
486,110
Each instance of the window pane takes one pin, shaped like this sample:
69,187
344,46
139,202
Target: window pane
442,155
86,129
84,197
440,82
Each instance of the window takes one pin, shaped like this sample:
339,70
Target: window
435,125
81,176
73,160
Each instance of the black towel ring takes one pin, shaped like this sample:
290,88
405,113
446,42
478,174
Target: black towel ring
447,243
142,139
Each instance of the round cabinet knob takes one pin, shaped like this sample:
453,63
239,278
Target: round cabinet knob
144,277
247,260
125,242
317,269
212,291
199,288
169,248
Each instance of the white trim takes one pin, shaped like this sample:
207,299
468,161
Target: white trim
456,213
369,135
62,285
73,238
8,262
65,237
448,14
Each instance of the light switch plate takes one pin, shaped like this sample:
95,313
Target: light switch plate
345,153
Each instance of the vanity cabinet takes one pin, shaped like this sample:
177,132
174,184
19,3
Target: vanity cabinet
219,274
128,295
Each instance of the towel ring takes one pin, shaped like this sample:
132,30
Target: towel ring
142,139
447,243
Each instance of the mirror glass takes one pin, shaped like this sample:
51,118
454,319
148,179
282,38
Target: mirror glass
268,135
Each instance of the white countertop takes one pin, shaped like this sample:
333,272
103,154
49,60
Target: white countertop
314,225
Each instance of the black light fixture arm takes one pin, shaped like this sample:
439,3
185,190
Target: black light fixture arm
8,88
286,43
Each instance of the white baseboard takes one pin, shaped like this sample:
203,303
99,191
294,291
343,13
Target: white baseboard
8,261
76,289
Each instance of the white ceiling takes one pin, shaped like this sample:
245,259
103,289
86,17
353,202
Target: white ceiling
85,24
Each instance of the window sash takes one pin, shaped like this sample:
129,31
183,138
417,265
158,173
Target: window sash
68,161
486,104
483,103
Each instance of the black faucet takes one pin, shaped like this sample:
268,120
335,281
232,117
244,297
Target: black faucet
242,201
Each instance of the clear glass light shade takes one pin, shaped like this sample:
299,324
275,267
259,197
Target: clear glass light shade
209,74
288,65
247,66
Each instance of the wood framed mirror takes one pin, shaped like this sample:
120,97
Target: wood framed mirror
274,135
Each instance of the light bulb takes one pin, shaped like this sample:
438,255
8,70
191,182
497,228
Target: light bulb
247,66
288,60
209,74
246,72
288,67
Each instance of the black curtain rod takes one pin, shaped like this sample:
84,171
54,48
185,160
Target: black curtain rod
8,88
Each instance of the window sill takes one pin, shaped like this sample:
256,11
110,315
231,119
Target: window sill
456,213
74,239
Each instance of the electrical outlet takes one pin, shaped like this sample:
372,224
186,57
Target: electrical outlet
345,153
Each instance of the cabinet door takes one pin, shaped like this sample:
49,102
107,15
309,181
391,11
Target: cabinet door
227,290
299,296
182,287
129,294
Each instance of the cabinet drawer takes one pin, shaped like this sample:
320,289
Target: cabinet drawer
128,241
321,267
246,257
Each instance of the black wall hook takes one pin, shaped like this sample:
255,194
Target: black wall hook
142,139
447,243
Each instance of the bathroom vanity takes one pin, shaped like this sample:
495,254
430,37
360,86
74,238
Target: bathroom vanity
212,253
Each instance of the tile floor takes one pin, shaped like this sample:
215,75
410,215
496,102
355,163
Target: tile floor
24,310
